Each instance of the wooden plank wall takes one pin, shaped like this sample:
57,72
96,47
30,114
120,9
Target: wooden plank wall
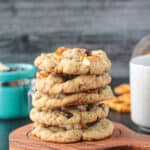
28,27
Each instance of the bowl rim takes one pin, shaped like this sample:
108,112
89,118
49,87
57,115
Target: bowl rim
28,72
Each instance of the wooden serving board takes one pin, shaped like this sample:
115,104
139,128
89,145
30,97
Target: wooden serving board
122,139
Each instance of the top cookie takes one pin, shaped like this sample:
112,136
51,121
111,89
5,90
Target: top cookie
74,61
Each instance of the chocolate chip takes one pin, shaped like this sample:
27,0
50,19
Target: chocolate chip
87,51
68,77
64,128
67,114
101,105
89,107
91,124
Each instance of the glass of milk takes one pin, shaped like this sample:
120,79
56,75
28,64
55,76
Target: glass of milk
140,91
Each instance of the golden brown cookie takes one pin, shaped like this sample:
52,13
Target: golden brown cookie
95,131
72,115
60,84
74,61
41,100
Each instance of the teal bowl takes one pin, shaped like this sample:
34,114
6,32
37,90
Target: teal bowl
14,87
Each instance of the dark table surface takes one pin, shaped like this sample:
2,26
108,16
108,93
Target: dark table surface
6,126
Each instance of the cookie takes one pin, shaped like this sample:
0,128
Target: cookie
41,100
72,115
95,131
74,61
100,130
59,84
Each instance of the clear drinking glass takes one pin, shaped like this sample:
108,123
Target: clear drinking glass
143,47
30,94
139,81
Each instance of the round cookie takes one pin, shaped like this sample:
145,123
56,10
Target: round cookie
41,100
59,84
56,134
74,61
73,115
97,131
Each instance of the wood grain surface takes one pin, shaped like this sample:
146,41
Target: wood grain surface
122,138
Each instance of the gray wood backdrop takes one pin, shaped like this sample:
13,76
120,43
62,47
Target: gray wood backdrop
28,27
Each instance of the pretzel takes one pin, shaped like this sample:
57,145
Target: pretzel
120,103
120,107
125,97
122,89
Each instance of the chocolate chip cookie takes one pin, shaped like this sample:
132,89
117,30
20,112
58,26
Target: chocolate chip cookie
95,131
73,115
60,84
74,61
41,100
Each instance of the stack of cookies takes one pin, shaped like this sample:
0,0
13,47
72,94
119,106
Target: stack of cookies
71,86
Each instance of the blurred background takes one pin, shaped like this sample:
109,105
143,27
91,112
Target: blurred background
29,27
